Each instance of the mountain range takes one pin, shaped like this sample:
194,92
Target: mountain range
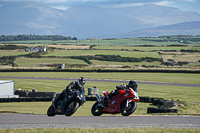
96,22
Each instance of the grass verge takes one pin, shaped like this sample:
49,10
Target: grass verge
41,108
102,130
189,78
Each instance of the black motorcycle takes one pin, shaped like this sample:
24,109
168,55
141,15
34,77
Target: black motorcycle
69,105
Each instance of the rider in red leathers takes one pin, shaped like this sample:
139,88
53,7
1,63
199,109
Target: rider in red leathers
132,84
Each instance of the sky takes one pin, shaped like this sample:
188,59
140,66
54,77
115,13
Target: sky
184,5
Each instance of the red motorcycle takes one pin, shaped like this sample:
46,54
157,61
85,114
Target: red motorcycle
125,102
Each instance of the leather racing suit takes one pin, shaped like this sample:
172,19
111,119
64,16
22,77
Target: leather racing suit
68,91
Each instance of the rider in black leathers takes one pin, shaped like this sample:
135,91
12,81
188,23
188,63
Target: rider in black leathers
132,84
75,85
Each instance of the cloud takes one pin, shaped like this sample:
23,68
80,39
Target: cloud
123,5
61,7
163,3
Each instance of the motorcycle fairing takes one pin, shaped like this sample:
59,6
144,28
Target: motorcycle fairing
115,102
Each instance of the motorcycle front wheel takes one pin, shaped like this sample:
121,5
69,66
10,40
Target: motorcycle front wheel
96,110
71,107
126,111
51,111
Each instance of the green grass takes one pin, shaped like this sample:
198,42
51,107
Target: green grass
114,42
27,62
12,53
134,42
141,48
188,57
41,108
194,48
104,52
167,92
189,78
102,130
97,62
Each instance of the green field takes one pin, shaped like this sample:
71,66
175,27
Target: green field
104,52
163,41
30,62
33,62
166,48
12,52
97,62
189,78
195,48
140,48
188,95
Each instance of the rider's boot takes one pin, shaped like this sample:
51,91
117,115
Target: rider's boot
56,101
106,101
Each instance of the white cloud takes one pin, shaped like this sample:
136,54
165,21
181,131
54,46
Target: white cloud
61,7
163,3
124,5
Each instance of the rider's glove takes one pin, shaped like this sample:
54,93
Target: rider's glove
113,91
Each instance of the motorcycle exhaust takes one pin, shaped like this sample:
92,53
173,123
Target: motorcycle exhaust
98,98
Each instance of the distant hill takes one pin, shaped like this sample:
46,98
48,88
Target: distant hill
89,21
186,28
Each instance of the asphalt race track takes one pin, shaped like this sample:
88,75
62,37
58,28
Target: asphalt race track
43,121
106,80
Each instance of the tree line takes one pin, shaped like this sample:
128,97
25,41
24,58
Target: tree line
11,47
35,37
185,39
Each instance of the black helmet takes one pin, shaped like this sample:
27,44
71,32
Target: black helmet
132,84
81,81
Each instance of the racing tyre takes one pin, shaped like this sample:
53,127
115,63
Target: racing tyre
51,111
96,110
71,107
126,111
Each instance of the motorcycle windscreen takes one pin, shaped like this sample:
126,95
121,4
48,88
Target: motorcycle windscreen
81,94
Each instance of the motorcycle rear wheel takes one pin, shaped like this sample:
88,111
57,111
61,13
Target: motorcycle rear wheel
71,107
96,110
51,111
126,111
